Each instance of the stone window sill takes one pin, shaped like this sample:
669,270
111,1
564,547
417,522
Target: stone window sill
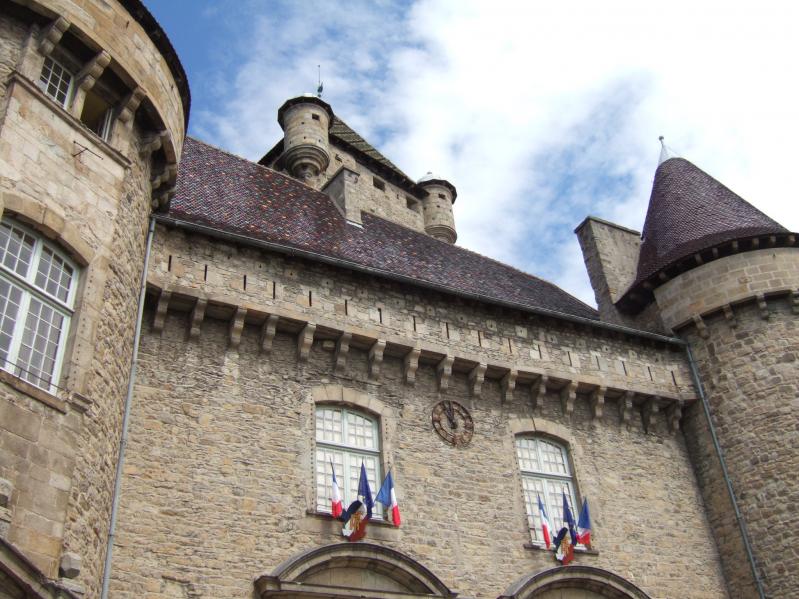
329,517
323,523
578,550
36,393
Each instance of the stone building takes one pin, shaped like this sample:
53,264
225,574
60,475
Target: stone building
204,337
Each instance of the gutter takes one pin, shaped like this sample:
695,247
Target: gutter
728,483
109,549
338,262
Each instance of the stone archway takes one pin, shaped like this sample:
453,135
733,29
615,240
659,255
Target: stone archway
573,582
351,570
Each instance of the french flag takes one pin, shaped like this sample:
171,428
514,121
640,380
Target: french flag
545,528
388,497
584,526
336,506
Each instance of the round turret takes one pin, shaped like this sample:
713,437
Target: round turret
305,121
439,221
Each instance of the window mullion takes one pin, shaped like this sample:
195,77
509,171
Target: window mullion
19,330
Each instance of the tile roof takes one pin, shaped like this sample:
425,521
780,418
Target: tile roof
343,132
234,195
689,211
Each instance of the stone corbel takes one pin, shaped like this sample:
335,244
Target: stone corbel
411,365
52,35
197,317
129,106
673,415
305,341
268,330
597,401
476,378
650,410
763,306
167,175
152,142
90,73
160,311
342,351
508,383
237,326
444,372
626,407
701,326
162,196
730,315
539,391
376,358
795,302
568,395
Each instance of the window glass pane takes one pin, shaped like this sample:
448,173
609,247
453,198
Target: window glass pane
55,80
528,456
554,458
16,248
555,490
533,488
10,298
328,425
37,353
324,477
360,431
54,275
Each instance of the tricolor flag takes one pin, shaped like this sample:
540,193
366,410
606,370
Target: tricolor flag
568,519
388,497
359,512
584,526
564,549
335,500
545,527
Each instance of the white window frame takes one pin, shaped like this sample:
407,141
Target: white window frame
549,481
351,457
29,289
44,85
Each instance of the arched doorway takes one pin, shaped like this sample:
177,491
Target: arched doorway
350,570
573,582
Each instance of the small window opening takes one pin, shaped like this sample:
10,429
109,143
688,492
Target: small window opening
380,315
446,326
274,290
674,378
442,196
169,263
245,283
97,114
596,359
411,203
346,308
414,323
624,367
205,273
649,370
56,81
479,339
315,117
510,346
310,298
378,183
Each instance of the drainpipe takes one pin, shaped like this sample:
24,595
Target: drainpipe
109,549
720,455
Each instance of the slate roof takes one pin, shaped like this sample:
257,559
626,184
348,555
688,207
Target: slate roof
342,131
689,212
234,195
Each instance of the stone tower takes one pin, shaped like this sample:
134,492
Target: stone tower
724,277
94,108
439,221
305,121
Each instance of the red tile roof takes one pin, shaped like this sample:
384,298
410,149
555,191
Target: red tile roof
230,194
689,212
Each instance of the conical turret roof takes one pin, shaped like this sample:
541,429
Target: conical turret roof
689,212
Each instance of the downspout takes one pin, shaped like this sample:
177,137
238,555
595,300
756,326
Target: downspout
109,549
720,455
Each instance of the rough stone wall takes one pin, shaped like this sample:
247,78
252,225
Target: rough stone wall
12,36
610,253
218,476
749,369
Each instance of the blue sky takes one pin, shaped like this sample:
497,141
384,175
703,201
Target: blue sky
539,113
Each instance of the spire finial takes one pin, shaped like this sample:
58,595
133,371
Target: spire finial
320,87
665,151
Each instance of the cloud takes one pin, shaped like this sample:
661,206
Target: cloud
539,113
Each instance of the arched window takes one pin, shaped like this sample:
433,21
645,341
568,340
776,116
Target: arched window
546,473
37,295
346,438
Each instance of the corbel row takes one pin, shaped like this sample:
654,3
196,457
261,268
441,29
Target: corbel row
566,386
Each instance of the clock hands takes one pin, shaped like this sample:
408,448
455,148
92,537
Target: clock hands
450,412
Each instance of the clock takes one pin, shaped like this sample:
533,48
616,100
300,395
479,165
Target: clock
453,423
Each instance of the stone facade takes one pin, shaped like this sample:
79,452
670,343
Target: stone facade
91,196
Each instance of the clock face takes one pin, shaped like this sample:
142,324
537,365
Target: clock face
453,423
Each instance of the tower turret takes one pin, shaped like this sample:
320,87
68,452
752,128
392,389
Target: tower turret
305,121
439,222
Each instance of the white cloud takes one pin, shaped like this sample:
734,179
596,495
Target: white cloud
539,113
